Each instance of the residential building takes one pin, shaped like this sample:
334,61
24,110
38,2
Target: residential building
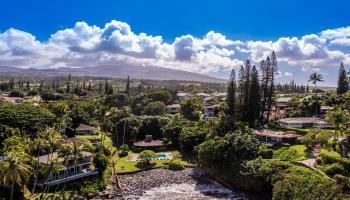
304,122
211,111
208,101
84,129
173,108
270,136
81,168
282,102
183,95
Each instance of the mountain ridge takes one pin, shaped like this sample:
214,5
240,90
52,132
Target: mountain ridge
116,71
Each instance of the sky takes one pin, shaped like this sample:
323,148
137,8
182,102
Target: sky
204,36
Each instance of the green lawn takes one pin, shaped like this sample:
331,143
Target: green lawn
125,166
330,153
292,153
107,140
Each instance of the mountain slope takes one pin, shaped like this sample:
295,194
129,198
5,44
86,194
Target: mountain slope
118,71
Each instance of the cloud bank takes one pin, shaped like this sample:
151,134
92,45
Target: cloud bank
87,45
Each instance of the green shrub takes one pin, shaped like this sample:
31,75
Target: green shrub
123,154
92,186
266,153
343,181
16,93
328,158
288,154
124,147
101,162
176,165
333,169
145,159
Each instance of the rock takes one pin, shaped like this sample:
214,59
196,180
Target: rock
135,185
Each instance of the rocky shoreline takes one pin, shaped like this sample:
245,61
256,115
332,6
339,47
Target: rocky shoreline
135,186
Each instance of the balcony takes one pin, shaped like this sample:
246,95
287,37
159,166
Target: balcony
62,179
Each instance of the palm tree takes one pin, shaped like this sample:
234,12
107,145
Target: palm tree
77,152
314,78
51,138
341,120
39,147
14,170
65,152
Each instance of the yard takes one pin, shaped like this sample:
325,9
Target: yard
292,153
124,165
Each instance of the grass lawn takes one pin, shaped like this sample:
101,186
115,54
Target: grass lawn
107,140
330,153
292,153
125,166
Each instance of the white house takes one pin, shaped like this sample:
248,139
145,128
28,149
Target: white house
207,100
183,95
304,122
173,108
211,111
82,168
282,102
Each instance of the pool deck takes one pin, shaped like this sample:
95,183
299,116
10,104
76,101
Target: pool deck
134,156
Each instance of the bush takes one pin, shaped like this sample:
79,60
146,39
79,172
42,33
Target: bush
343,181
33,93
154,108
191,136
334,169
124,147
101,162
123,154
92,186
16,93
266,153
328,158
103,149
176,165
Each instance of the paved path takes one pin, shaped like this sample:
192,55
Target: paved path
310,163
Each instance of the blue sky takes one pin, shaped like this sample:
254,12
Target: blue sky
185,30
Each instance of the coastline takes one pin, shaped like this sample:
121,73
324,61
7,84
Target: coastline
190,181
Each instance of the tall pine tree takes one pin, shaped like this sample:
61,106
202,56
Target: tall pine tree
127,87
231,95
272,72
254,107
68,88
343,84
28,85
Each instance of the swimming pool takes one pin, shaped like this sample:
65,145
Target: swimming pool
163,156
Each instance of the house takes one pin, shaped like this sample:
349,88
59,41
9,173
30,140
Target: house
211,111
183,95
207,100
82,168
304,122
14,100
282,102
325,109
270,136
219,94
173,108
202,95
84,129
